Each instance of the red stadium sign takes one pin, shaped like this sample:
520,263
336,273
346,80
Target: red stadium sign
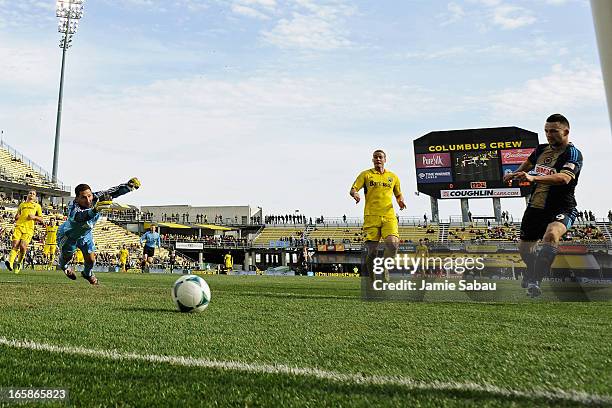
573,249
515,156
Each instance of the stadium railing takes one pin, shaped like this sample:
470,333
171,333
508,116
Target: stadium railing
35,167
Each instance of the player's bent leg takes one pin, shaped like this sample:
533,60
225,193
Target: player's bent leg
66,249
87,273
527,250
62,263
12,255
550,247
89,259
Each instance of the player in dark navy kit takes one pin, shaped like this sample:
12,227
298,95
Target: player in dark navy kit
554,169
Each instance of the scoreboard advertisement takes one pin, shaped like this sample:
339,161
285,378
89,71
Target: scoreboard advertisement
471,163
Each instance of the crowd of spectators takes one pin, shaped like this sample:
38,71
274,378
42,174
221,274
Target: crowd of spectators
214,240
587,216
287,219
505,232
580,233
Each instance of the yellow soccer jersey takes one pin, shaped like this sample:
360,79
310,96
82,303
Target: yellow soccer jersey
26,209
123,255
51,235
228,261
78,256
379,190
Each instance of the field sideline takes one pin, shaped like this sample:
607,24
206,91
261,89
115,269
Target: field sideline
295,341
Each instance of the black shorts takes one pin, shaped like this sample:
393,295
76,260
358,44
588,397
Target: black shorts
536,220
149,251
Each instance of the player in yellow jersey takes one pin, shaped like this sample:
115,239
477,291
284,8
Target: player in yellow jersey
379,221
228,262
28,212
50,241
79,259
123,258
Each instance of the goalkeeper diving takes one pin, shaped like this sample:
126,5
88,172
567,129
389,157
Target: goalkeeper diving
76,231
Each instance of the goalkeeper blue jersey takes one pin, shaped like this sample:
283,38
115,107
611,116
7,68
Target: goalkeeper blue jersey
81,221
151,239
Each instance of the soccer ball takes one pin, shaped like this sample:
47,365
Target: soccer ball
191,293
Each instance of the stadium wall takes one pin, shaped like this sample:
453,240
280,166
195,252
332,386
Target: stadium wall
230,214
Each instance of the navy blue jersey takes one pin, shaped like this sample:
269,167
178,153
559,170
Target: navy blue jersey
546,161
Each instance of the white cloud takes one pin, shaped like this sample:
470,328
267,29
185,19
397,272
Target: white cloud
512,17
485,14
28,65
248,11
306,32
455,13
562,89
312,26
531,50
26,13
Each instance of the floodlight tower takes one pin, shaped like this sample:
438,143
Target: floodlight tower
68,12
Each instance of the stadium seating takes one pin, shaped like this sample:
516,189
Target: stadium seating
411,233
15,170
493,233
337,235
274,233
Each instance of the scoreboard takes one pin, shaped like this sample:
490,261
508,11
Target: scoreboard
471,163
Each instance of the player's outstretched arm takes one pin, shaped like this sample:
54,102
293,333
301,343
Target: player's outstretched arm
117,191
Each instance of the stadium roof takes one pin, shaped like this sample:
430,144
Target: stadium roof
172,225
214,227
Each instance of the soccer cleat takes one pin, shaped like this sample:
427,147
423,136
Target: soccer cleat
69,273
17,268
8,266
533,289
92,279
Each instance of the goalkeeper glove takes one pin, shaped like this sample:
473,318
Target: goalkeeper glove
103,203
134,183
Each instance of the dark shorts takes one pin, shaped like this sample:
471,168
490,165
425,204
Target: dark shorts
149,251
536,220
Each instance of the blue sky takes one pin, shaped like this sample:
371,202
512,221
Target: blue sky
279,104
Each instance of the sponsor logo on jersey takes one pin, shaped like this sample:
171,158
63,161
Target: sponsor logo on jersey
542,170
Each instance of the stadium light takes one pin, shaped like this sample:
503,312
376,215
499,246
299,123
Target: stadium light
68,12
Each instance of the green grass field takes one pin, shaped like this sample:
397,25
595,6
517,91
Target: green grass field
105,344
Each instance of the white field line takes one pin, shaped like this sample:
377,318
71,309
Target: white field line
344,378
